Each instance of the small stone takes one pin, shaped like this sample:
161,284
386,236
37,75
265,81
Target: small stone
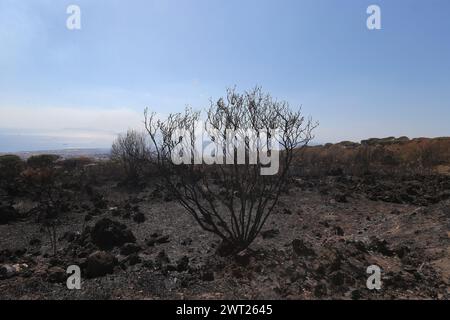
207,276
182,264
186,242
270,234
338,279
341,198
99,264
301,249
339,231
163,239
134,259
243,258
356,294
139,217
56,275
130,248
35,242
150,242
7,214
7,271
162,258
69,236
320,290
115,212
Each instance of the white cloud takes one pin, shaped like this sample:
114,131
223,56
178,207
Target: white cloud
63,121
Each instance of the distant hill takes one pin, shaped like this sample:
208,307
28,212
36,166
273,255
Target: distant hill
387,155
97,154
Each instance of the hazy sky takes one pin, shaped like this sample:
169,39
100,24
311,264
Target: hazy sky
81,87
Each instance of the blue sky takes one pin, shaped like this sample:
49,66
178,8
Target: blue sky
82,87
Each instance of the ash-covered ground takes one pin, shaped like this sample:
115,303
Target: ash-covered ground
318,244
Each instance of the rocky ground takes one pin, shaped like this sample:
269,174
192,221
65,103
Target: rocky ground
317,245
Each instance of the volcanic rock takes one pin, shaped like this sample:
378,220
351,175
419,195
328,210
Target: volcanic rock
99,264
301,249
108,234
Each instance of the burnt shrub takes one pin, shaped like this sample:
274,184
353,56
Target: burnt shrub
42,161
73,164
131,151
75,175
43,181
232,200
10,168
